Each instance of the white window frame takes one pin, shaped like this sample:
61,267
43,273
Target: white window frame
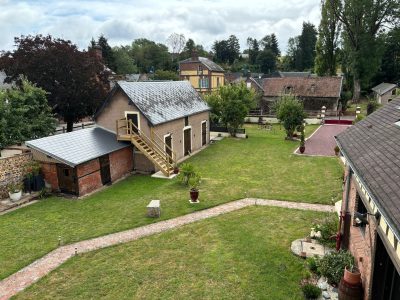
183,139
133,113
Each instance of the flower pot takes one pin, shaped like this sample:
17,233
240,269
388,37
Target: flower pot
302,149
15,196
176,170
194,195
352,278
336,153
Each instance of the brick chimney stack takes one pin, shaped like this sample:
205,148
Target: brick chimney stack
195,55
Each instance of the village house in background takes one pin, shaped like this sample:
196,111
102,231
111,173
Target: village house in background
142,126
202,73
314,92
371,200
385,92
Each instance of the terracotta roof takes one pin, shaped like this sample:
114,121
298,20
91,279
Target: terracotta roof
383,88
321,87
294,74
372,147
212,66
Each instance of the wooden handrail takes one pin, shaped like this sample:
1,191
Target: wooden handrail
173,157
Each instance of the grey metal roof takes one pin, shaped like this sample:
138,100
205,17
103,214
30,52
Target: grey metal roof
294,74
384,87
373,146
79,146
164,101
205,61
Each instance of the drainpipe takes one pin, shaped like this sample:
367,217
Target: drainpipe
345,217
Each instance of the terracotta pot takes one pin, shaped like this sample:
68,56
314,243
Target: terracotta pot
176,170
302,149
194,195
352,278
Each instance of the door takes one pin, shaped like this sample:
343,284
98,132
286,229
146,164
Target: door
386,281
105,169
168,148
203,133
134,117
187,141
67,181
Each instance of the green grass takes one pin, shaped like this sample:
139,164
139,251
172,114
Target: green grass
241,255
261,166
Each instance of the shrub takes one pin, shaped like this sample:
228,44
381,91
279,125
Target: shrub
328,228
332,265
313,264
290,112
186,172
359,118
372,106
311,291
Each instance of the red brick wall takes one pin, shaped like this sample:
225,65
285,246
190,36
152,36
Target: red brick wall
49,171
89,178
121,163
361,245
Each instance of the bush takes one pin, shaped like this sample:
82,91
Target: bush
186,172
311,291
290,112
328,228
332,265
359,118
372,106
313,264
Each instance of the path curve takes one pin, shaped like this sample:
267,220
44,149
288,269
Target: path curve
25,277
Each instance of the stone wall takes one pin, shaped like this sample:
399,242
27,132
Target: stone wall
12,171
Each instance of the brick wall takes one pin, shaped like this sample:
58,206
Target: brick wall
361,245
12,171
89,178
49,171
121,163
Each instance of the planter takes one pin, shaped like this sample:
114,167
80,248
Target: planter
302,149
15,196
337,153
352,278
194,195
176,170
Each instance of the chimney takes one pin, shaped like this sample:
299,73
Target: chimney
195,55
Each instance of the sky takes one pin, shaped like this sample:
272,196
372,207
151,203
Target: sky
123,21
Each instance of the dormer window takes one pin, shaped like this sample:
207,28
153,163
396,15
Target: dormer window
288,89
312,88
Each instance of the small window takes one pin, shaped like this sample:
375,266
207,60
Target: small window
200,69
217,81
186,121
394,92
288,90
66,172
362,210
248,84
389,100
203,82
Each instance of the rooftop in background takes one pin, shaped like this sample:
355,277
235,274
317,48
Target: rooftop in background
294,74
372,147
77,147
2,78
212,66
322,87
163,101
383,88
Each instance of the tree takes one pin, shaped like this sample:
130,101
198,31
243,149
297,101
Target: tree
76,81
292,54
190,47
19,105
267,61
234,48
271,42
307,40
328,41
226,51
124,63
177,43
362,20
106,52
231,104
254,49
290,112
166,75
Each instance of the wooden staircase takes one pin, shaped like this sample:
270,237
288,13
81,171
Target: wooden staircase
153,148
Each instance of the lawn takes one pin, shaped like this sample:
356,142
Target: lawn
241,255
261,166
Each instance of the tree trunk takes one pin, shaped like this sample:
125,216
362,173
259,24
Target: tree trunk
356,89
70,126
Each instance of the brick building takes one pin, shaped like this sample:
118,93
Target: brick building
384,92
202,73
371,200
82,161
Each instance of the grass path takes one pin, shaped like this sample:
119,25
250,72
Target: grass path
261,166
27,276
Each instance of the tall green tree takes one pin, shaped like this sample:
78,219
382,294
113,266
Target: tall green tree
231,104
271,42
25,114
226,51
106,51
307,40
292,54
328,41
191,47
266,59
76,81
290,112
124,62
362,22
254,49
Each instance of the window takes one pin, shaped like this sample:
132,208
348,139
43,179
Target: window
203,83
362,210
66,172
394,92
217,81
288,89
200,70
248,84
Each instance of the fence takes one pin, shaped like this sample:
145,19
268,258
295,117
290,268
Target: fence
63,129
222,128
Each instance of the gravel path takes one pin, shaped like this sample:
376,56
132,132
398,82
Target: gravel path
39,268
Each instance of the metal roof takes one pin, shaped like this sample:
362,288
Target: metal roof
372,146
205,61
164,101
383,88
77,147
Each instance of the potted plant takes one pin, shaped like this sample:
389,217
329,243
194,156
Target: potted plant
194,183
352,275
14,191
176,170
302,143
337,150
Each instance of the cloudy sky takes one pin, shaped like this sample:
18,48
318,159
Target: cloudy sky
123,21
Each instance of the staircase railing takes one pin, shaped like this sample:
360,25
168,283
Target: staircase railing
160,140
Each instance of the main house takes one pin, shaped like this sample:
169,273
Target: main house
385,92
141,126
314,92
371,200
202,73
